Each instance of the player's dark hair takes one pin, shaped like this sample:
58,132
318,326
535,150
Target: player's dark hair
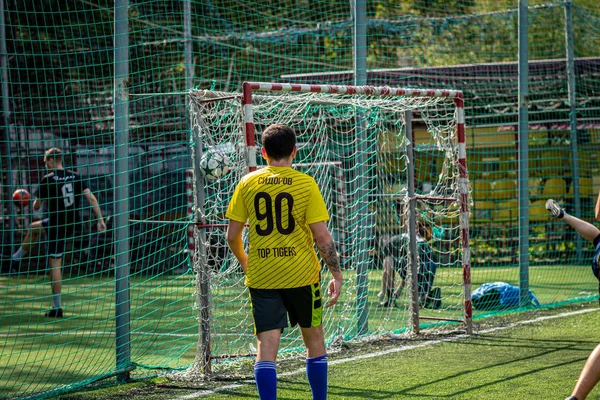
278,141
55,153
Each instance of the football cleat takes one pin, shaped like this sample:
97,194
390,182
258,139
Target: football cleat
54,313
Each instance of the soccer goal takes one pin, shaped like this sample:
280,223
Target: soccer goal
391,165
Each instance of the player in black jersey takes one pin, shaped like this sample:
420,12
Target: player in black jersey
62,189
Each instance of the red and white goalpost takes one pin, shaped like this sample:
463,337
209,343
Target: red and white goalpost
384,158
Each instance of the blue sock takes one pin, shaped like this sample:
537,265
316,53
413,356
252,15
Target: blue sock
266,380
316,371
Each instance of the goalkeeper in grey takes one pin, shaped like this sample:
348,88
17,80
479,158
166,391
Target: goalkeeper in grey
395,258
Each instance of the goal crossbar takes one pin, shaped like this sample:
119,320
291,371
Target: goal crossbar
350,90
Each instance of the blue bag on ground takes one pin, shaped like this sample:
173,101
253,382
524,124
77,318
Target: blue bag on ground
499,296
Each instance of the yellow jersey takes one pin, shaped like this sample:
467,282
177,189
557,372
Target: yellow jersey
279,204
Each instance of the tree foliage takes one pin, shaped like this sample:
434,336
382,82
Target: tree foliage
62,50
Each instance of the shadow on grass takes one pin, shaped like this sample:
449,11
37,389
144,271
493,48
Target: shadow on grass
511,344
334,392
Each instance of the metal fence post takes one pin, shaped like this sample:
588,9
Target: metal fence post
6,123
573,116
523,143
121,120
359,16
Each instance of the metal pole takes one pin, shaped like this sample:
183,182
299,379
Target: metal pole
523,153
197,249
189,44
363,234
573,116
203,278
412,225
121,121
200,251
6,123
359,11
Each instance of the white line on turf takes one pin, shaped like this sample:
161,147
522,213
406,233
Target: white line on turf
391,351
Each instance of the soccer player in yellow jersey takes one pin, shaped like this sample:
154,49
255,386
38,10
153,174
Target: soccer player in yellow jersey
286,215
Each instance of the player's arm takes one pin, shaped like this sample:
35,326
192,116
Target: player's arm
598,208
97,211
234,239
237,212
327,250
37,204
42,193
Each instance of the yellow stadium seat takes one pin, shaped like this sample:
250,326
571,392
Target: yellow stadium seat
481,190
553,163
585,163
554,188
534,163
504,190
535,187
474,164
538,212
508,161
586,188
507,211
538,137
498,175
482,211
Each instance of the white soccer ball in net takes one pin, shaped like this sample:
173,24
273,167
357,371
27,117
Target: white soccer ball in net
214,164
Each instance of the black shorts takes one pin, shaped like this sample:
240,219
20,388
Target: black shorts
271,307
56,238
596,259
